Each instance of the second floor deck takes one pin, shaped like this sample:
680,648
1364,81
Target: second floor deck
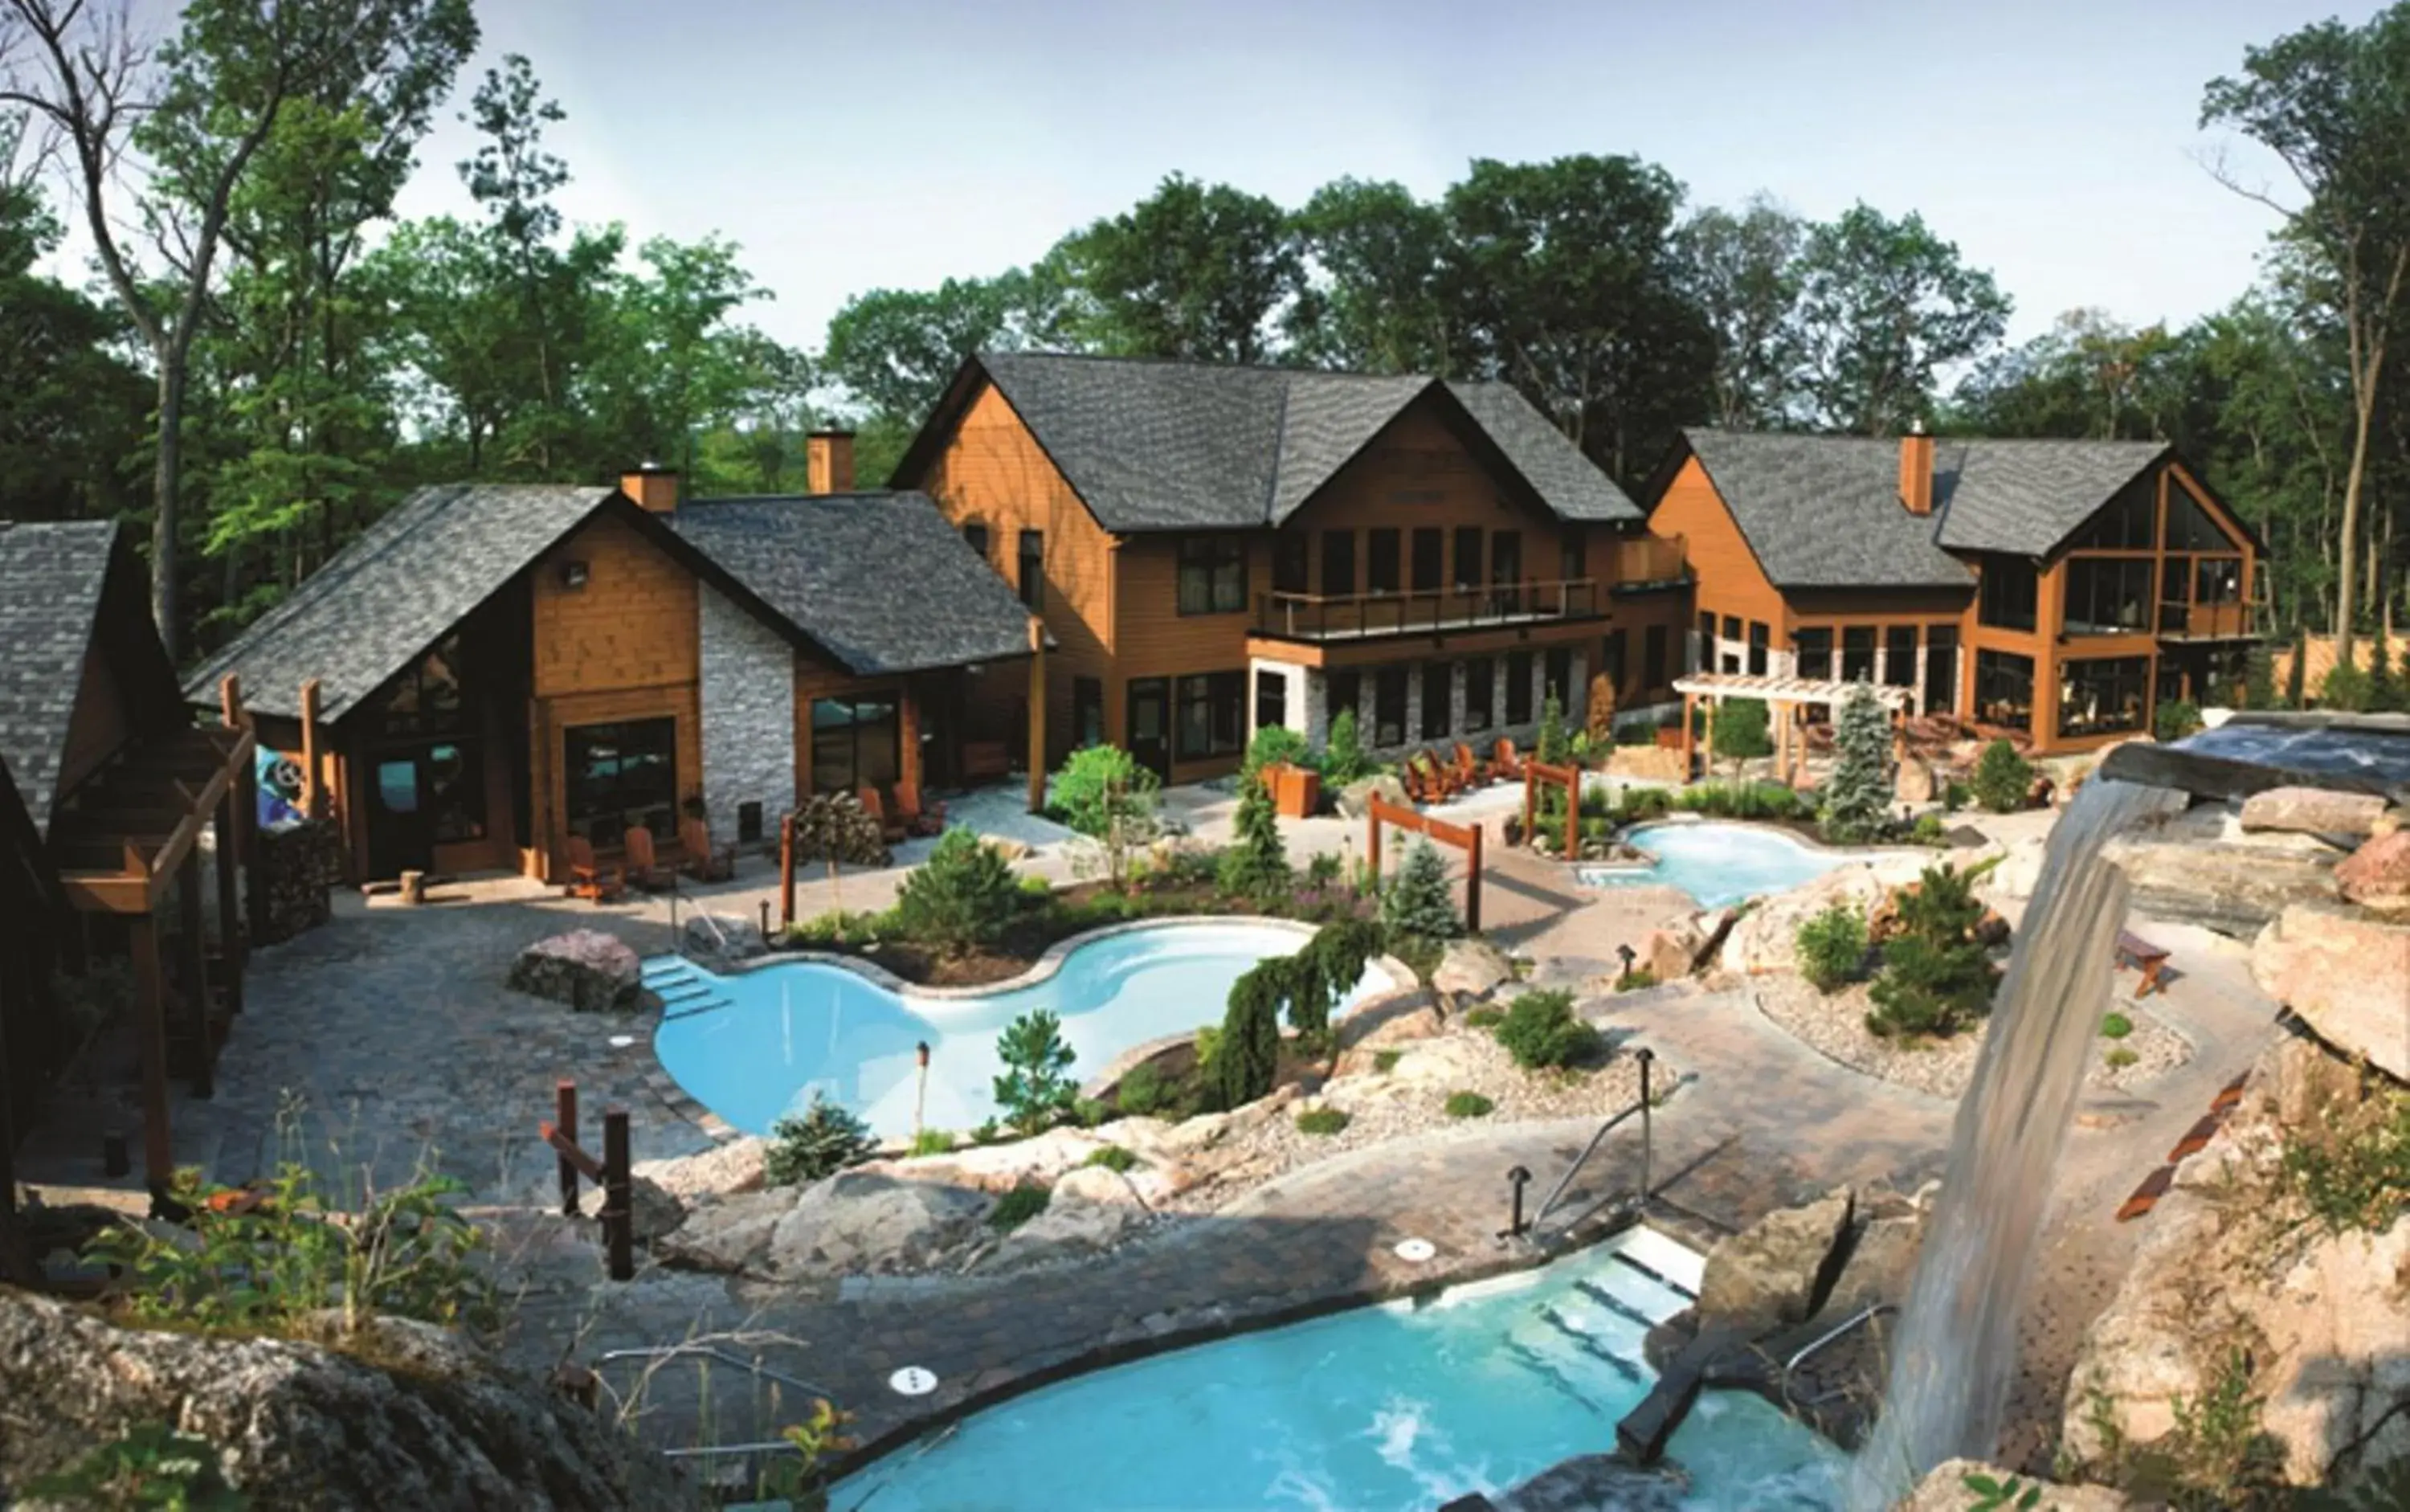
1636,564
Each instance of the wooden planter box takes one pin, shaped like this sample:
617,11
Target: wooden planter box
1297,791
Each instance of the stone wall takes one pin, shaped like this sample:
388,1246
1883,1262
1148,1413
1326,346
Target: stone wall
749,717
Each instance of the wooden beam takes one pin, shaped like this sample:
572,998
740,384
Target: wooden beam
230,709
108,893
193,970
151,1018
231,944
312,786
1036,715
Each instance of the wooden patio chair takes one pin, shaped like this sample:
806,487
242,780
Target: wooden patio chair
1506,761
1470,771
913,815
645,868
888,828
1424,781
586,878
704,863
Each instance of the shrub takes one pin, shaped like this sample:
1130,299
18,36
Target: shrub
1540,1029
1321,1121
1088,1111
1833,947
1247,1056
1417,901
2345,688
1104,795
1549,743
2115,1026
1739,800
933,1141
1142,1091
1468,1105
1273,745
1385,1061
2121,1056
2175,719
824,1141
1343,752
1036,889
1112,1157
152,1465
2351,1168
1257,865
2003,778
1485,1017
1956,794
962,895
838,926
1634,981
1033,1091
1857,796
1018,1206
1928,830
1741,732
1935,978
2259,678
2385,683
1638,804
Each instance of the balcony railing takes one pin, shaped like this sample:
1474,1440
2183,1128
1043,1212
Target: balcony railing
1647,559
2230,621
1312,617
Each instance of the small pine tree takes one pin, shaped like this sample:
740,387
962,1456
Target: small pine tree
1246,1054
1256,864
1857,797
1417,901
964,894
824,1142
2385,692
2259,679
2346,688
1033,1091
2003,778
1551,744
1934,980
2297,677
1343,751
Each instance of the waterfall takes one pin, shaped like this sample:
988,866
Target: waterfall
1956,1351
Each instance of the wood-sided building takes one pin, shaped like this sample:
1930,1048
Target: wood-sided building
498,667
1215,549
2059,590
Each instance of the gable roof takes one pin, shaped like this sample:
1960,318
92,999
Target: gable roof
878,579
2027,496
52,579
1824,511
1153,444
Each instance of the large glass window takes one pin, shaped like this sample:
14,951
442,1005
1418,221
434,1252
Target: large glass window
1815,653
456,791
854,741
2004,690
1480,690
1347,692
1858,653
2189,527
1389,707
1271,699
1033,568
1556,677
1610,662
2010,591
424,700
1339,564
1381,562
2107,696
1212,716
1761,646
1940,669
2109,595
621,776
1289,573
1437,681
2217,580
2130,523
1899,656
1430,563
1652,660
1519,688
1213,573
1468,557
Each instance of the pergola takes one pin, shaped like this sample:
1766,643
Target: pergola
124,843
1783,697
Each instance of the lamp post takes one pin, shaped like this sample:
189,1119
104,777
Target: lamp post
920,1090
1517,1179
1629,955
1647,1126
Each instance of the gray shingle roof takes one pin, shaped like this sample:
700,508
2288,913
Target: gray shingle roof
1161,445
880,579
2027,496
1824,511
393,592
50,582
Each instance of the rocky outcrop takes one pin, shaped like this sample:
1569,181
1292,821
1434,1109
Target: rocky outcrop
729,1234
737,1166
2202,867
1778,1270
1355,799
1916,784
2344,972
1669,951
2312,811
722,938
299,1426
587,969
1090,1211
1946,1490
1599,1481
858,1222
2377,875
1472,969
1767,938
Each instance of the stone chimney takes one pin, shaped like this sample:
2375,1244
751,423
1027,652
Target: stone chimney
652,485
1916,470
828,461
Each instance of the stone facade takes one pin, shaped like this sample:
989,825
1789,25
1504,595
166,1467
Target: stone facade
1309,708
749,717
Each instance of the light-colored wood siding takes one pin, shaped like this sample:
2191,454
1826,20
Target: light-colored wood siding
1727,577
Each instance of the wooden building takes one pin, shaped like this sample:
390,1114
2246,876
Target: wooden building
1216,549
498,667
2059,590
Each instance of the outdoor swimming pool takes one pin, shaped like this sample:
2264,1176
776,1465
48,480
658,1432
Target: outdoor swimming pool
753,1046
1394,1408
1718,864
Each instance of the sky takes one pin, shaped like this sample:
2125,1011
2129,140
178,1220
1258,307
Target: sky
899,142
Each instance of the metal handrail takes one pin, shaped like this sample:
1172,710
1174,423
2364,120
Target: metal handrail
753,1367
677,936
1862,1315
1557,1192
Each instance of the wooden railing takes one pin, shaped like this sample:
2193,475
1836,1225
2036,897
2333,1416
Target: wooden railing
1647,558
2206,621
1313,616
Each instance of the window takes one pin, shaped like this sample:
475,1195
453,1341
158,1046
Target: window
1519,688
453,777
1213,574
1899,656
2108,596
1437,681
1210,719
1815,653
2130,523
1339,564
1468,557
2189,527
1087,712
1610,661
1389,707
1706,634
1289,575
1347,696
1272,700
1506,569
1732,628
2004,690
426,700
1761,648
854,741
1858,653
975,537
2103,697
1556,678
1480,691
748,822
1032,570
1381,562
2010,591
1652,660
1572,559
2216,580
621,776
1940,669
1431,547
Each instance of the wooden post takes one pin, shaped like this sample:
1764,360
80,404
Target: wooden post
618,1198
564,1113
193,970
1373,836
230,701
151,1009
1690,707
1707,764
313,786
1530,798
16,1266
907,736
1036,715
1473,882
231,944
787,872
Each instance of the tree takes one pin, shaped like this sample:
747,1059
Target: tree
1343,751
2297,675
1934,978
1033,1091
1742,732
1742,268
1257,865
835,827
895,350
1883,305
1857,796
962,895
2260,678
1246,1056
824,1141
1417,901
2003,778
1104,793
1193,270
1373,301
2332,102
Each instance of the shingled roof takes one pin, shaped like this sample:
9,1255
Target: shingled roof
878,579
2027,496
50,581
1166,445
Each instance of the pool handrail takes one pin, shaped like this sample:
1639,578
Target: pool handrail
753,1367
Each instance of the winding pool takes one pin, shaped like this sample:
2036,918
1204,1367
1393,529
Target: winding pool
753,1046
1391,1408
1718,864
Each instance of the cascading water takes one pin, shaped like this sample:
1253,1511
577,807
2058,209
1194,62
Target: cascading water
1956,1350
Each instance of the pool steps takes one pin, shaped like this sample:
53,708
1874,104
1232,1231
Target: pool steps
683,989
1599,1328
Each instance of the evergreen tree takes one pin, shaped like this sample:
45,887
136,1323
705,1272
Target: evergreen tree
1343,751
1256,865
2385,694
1550,744
2003,778
1935,978
1857,796
2259,679
1033,1091
1246,1056
1417,902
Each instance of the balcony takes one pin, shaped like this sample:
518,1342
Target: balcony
1642,561
2228,621
1310,617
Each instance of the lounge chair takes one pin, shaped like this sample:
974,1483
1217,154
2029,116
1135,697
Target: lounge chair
1426,782
1506,761
1470,771
913,815
645,868
586,878
889,829
703,862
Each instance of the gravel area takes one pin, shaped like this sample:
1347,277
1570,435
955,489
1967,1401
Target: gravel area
1836,1027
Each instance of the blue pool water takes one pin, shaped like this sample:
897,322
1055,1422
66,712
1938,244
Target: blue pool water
1718,864
784,1030
1385,1409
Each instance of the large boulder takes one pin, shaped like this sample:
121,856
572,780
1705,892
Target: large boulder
1085,1216
2344,972
656,1209
1670,951
2312,811
1916,784
2377,875
736,1165
1778,1270
859,1222
589,970
1946,1490
299,1426
1355,800
1472,969
2202,867
999,1168
728,1233
1767,938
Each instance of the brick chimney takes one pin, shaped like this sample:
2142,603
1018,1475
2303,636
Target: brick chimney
828,461
652,485
1916,470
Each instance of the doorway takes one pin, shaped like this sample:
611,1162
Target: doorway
1150,724
420,797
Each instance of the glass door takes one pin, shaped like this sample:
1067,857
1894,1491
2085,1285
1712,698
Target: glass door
1150,724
